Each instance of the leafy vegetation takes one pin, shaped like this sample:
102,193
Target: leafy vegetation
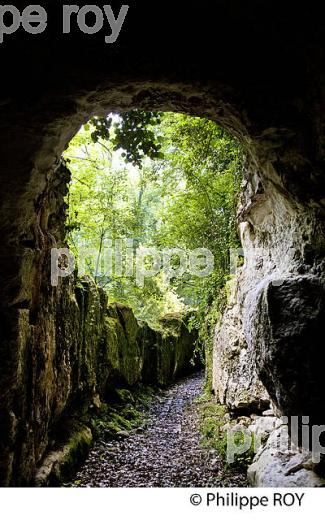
215,423
132,133
124,414
161,181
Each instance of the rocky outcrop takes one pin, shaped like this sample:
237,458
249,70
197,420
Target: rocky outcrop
58,464
273,459
268,342
277,464
287,324
274,321
95,347
235,380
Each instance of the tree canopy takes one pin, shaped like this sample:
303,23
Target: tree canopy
160,181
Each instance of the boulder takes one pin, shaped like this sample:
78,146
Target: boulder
277,464
286,333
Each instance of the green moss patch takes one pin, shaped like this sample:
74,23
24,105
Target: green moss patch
123,415
214,425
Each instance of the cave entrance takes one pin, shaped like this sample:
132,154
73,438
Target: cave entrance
266,86
46,368
151,225
55,367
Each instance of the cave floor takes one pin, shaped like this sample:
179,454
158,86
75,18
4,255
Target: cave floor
164,452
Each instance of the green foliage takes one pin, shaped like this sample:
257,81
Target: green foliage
184,195
243,460
132,133
203,166
126,412
213,419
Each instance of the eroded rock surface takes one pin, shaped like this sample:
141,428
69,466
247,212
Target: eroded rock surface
279,465
287,328
235,380
268,345
95,346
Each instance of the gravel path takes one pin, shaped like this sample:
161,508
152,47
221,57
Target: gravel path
166,452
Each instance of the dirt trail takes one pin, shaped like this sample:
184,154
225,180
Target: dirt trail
164,453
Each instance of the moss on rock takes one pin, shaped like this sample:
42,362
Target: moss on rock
103,351
60,462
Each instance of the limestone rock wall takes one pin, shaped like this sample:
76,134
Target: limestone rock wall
61,345
235,380
95,347
268,344
271,330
